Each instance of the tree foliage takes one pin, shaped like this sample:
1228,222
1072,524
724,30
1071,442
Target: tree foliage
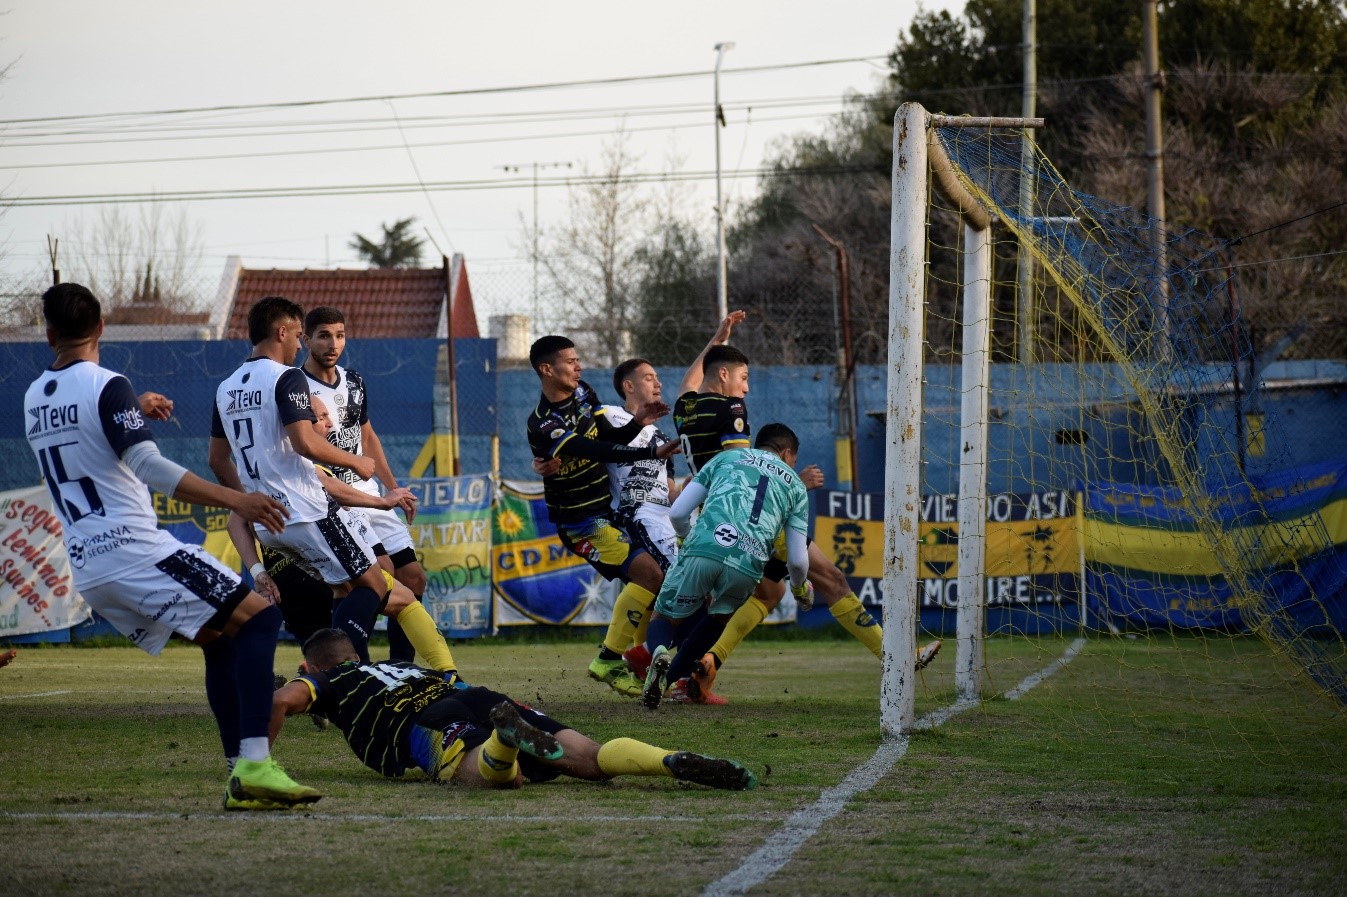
397,248
1253,137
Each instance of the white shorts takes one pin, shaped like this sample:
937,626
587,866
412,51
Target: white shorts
390,530
335,549
649,527
184,593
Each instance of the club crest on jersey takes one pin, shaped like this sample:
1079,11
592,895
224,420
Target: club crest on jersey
558,433
243,400
130,419
726,535
74,549
339,398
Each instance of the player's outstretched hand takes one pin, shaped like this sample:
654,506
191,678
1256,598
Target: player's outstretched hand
265,586
156,406
668,449
545,468
255,507
403,498
723,331
651,412
363,467
812,476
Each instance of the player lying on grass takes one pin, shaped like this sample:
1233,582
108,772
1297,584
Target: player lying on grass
396,717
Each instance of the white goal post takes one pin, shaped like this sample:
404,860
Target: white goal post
919,157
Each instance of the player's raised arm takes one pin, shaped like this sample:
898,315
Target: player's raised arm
692,380
317,449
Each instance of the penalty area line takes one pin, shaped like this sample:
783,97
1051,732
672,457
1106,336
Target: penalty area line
36,694
804,823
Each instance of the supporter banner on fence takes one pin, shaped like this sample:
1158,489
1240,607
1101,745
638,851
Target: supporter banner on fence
1033,548
36,594
536,579
452,538
1151,564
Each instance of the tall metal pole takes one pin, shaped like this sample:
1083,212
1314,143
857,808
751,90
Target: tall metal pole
1028,105
535,166
722,286
848,364
1155,171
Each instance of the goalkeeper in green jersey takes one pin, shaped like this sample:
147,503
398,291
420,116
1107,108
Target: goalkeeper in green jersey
747,498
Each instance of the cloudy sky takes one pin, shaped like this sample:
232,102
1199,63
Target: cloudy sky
124,98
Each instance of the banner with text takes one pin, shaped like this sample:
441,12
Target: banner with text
1033,555
452,538
36,593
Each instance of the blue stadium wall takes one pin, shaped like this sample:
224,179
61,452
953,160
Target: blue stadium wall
1038,418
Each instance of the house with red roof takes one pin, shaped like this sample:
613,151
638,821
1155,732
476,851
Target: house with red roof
379,303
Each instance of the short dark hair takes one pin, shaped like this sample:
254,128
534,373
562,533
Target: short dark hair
71,311
323,314
723,357
324,649
777,438
545,348
267,312
623,371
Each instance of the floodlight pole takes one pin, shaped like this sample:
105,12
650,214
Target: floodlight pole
722,286
1155,165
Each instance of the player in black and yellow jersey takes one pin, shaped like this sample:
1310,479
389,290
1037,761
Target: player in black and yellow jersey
569,424
710,414
397,717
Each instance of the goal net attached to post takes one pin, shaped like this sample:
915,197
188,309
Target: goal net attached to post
1115,469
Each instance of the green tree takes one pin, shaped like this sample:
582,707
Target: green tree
398,248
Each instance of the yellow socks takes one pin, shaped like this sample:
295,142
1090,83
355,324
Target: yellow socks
497,762
629,610
745,619
857,620
629,757
421,631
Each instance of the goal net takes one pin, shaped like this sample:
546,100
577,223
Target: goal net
1112,447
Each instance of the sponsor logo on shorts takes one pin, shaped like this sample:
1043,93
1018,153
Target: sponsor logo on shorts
587,549
726,535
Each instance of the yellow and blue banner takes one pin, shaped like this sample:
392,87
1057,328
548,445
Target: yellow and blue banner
1156,559
536,579
1033,556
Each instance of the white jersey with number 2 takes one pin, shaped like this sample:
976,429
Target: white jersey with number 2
252,409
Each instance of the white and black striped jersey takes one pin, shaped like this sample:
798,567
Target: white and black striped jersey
80,420
635,483
348,403
252,409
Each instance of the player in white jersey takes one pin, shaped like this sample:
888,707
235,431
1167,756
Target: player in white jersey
262,434
88,430
642,490
345,394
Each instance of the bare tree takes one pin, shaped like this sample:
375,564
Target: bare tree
591,261
150,257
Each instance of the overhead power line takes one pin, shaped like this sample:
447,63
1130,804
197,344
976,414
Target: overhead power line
434,186
474,91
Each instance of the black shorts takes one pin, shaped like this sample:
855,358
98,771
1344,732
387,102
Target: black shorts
468,711
776,565
306,601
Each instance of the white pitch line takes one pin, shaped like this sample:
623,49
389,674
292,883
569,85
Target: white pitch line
36,694
289,817
803,824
